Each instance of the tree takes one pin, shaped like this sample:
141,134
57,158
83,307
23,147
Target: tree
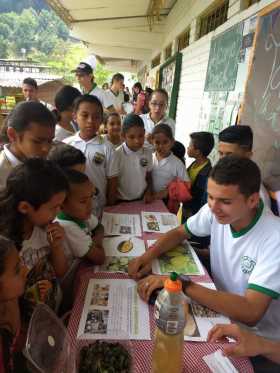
3,47
24,34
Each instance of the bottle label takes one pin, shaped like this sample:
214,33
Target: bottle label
172,327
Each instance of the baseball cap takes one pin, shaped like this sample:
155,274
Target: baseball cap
87,66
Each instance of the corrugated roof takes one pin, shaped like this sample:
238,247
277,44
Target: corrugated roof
14,79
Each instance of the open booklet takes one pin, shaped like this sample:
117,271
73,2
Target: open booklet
159,222
201,319
119,252
120,224
182,259
113,310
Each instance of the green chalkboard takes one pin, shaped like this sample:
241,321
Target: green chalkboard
223,60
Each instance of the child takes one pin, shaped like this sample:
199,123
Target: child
66,156
132,164
88,113
33,196
166,166
200,146
114,128
12,283
64,100
30,129
83,233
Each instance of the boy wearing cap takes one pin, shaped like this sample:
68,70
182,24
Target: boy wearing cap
85,77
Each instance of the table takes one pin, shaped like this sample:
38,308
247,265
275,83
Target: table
142,350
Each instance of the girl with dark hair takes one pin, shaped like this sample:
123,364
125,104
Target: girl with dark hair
33,196
12,283
138,98
64,101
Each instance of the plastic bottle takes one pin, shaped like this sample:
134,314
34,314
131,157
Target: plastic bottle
170,319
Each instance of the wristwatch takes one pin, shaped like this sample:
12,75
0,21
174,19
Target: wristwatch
186,281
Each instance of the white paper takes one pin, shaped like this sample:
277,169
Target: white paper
119,251
218,363
158,222
113,310
121,224
201,319
181,259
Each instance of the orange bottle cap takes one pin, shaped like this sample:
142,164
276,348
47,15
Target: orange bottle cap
172,284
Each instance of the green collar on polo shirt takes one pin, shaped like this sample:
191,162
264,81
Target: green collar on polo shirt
94,85
251,225
62,216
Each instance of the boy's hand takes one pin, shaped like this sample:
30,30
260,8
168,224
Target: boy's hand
55,234
148,284
98,235
44,287
139,267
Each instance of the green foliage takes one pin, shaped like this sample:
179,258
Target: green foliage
18,5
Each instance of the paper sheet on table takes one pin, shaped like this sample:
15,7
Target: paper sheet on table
219,363
121,224
201,319
182,259
119,251
159,222
113,309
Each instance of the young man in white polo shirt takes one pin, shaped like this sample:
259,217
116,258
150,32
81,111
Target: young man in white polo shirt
85,77
245,249
157,114
116,92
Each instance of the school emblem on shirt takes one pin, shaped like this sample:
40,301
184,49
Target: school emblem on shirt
143,162
247,264
98,158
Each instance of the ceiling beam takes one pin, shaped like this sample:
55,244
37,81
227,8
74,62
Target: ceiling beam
120,52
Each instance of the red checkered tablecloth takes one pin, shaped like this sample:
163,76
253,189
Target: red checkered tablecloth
142,350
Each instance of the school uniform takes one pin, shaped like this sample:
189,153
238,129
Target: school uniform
248,259
7,162
131,168
117,98
61,133
165,170
102,95
115,146
98,153
150,124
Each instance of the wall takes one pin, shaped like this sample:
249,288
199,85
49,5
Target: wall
195,57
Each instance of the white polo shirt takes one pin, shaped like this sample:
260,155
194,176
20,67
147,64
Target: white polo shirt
98,153
150,124
7,162
117,99
61,133
167,169
102,95
249,259
131,168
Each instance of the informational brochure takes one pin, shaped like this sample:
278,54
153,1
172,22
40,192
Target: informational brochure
158,222
113,310
201,319
182,259
119,252
121,224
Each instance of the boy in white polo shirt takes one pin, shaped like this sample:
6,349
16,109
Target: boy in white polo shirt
116,92
132,164
88,114
245,248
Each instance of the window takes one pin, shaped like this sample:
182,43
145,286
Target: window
214,19
168,51
183,40
156,61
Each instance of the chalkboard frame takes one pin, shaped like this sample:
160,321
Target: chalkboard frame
177,59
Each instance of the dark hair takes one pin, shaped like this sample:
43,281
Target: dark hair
6,245
179,150
66,156
30,81
162,92
118,77
138,85
126,97
163,128
34,181
203,141
238,134
90,99
233,170
29,112
65,97
117,115
132,120
75,177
